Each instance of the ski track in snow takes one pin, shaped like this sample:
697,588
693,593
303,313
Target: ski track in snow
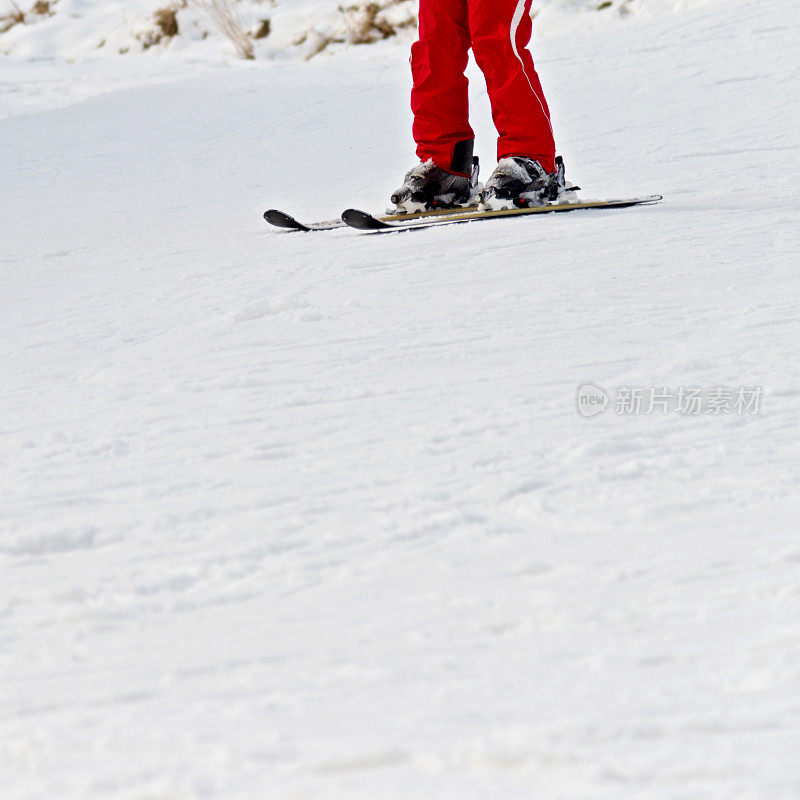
291,516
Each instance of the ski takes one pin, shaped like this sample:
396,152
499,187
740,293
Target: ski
363,221
280,219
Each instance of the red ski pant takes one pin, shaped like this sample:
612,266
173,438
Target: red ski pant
498,32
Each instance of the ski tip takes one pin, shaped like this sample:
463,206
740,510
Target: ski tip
282,220
363,221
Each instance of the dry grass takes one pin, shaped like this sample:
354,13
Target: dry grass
263,29
361,23
623,6
371,21
12,18
166,20
225,14
41,8
165,25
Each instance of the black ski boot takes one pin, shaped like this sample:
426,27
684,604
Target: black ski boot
427,187
519,182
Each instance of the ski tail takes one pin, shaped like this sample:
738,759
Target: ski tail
282,220
364,221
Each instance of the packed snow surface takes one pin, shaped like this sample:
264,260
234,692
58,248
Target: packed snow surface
290,516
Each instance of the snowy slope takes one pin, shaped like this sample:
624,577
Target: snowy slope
293,516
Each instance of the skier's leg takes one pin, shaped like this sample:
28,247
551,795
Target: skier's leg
439,97
500,32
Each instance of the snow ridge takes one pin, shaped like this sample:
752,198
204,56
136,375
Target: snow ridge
274,28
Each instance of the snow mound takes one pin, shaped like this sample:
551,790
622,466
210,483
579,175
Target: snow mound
253,28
